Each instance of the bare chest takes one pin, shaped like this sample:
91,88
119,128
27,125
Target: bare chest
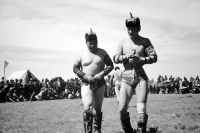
92,59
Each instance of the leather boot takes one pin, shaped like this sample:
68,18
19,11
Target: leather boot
142,123
88,120
97,122
125,122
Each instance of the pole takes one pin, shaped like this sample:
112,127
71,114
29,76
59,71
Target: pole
4,74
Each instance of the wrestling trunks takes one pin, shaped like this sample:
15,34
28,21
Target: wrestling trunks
134,76
94,86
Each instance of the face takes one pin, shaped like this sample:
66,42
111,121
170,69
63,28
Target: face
92,45
132,31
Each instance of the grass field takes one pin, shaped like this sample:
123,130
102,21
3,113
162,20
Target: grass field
169,113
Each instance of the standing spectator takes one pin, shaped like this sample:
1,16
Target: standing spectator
191,83
116,78
176,86
2,83
197,80
108,86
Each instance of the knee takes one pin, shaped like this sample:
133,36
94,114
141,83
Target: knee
122,109
141,108
88,107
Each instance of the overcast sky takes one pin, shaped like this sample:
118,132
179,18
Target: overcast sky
46,35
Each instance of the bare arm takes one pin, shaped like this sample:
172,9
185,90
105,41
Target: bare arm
109,67
77,68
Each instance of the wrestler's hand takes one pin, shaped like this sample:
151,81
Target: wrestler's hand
99,76
89,78
137,60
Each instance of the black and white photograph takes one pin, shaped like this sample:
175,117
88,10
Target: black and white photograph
107,66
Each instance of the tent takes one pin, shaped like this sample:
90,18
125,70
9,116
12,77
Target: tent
25,75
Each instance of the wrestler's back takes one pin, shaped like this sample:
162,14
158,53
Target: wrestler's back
92,64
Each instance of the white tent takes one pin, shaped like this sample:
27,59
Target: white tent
25,75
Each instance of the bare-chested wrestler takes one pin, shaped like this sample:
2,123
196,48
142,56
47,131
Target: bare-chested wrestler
90,68
134,52
116,77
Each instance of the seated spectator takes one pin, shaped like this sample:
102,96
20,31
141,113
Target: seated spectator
65,94
51,94
4,91
43,93
11,95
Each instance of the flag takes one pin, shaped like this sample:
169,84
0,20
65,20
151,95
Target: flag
5,64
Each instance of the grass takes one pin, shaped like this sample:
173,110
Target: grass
168,113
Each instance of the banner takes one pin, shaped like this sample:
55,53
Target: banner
5,64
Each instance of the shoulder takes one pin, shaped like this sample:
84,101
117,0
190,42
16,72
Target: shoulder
78,56
122,42
102,51
145,41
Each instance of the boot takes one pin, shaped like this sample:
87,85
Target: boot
97,122
142,123
125,122
88,120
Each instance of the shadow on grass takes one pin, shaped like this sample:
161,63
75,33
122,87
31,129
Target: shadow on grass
150,130
153,130
132,106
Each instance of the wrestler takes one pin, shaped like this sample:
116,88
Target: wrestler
90,67
116,78
134,52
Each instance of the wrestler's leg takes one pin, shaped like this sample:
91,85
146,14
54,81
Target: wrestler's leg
126,93
117,92
142,91
98,100
87,98
142,94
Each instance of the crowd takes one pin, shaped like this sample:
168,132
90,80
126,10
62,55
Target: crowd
172,85
57,88
35,90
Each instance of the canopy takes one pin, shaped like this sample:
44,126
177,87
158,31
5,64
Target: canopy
25,75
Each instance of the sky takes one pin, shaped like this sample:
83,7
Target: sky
45,36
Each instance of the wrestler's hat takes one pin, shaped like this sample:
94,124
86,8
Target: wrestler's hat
132,21
90,36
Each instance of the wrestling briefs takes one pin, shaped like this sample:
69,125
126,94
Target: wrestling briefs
134,76
94,86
